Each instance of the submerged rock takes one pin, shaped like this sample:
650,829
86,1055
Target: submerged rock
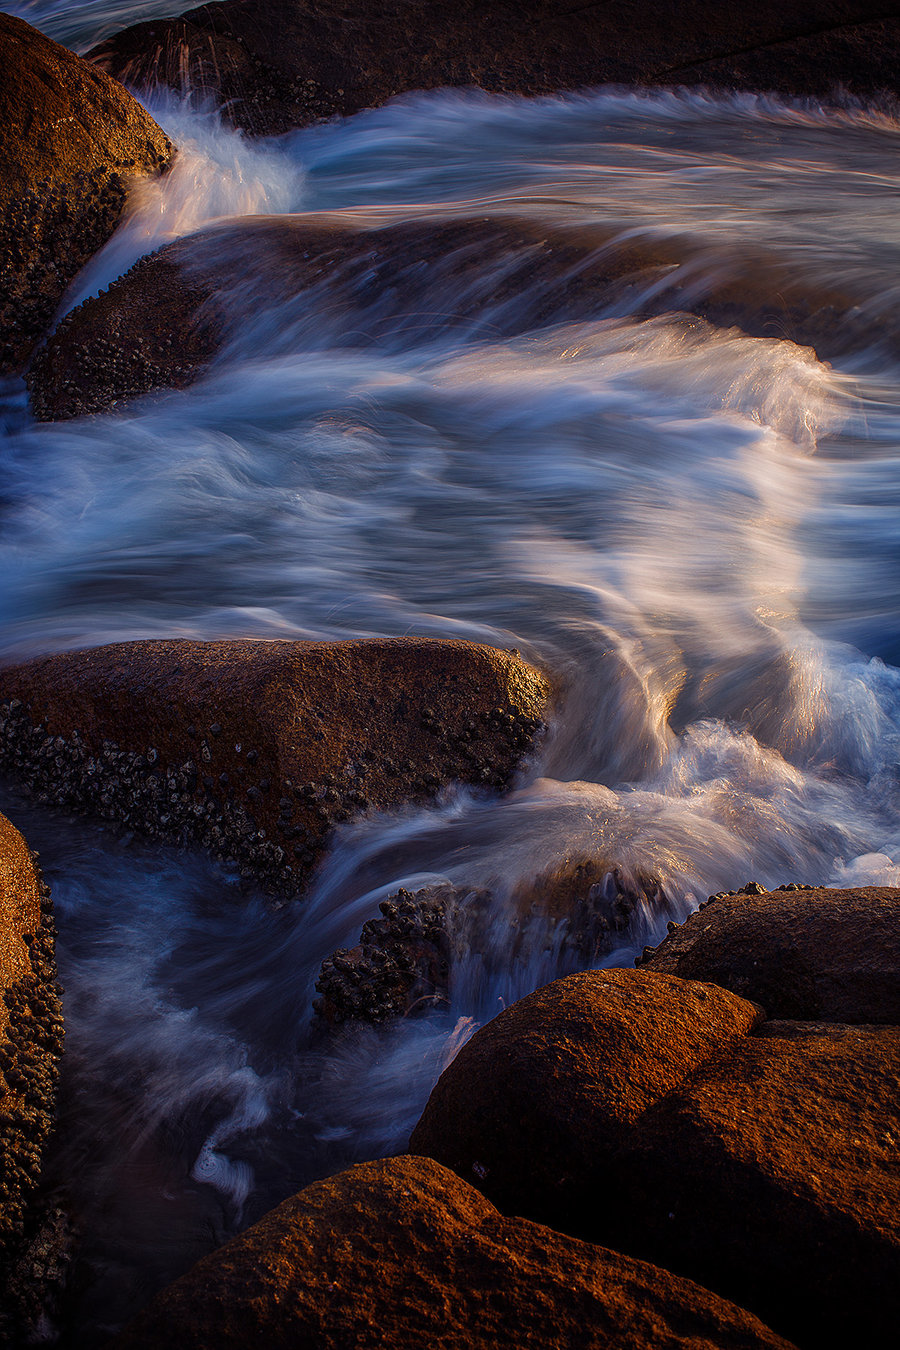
404,960
31,1036
161,324
401,1253
810,954
255,749
70,140
276,64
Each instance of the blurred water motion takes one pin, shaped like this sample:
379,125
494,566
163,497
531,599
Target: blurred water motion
695,529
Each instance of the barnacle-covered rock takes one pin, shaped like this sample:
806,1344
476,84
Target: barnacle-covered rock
31,1037
256,749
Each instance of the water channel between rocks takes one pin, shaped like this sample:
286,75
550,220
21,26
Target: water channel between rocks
696,529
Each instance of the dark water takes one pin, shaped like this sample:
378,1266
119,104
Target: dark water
697,529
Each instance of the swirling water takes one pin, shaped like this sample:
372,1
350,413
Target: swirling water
695,529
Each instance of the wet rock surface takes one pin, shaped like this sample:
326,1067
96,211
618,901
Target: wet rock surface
257,749
71,138
274,66
161,324
771,1176
808,954
536,1103
404,960
403,1253
31,1035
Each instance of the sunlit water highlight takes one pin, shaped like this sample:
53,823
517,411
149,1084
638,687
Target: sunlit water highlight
696,530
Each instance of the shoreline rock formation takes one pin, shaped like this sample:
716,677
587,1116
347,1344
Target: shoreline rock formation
401,1253
256,749
71,138
277,64
320,270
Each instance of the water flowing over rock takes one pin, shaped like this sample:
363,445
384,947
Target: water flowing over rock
808,954
403,1253
273,66
71,138
31,1034
161,324
256,749
404,960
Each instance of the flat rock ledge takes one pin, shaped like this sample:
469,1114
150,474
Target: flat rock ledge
666,1118
31,1037
403,963
71,139
402,1253
256,749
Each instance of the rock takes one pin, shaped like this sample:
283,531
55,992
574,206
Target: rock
255,749
31,1035
808,955
537,1102
649,1118
404,960
277,64
161,324
70,140
771,1176
401,1253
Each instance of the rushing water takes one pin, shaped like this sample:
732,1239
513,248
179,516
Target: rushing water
697,529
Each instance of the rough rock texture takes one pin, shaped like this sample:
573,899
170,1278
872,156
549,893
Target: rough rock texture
403,962
70,138
772,1176
160,325
275,64
762,1164
813,955
31,1034
401,1253
255,749
536,1103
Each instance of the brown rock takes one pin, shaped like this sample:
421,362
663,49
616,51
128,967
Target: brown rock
772,1176
161,324
256,748
537,1102
401,1253
30,1032
275,64
811,955
70,139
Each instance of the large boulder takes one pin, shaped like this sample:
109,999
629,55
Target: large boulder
160,325
31,1033
772,1177
401,1253
537,1102
276,64
71,138
257,748
759,1160
804,953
